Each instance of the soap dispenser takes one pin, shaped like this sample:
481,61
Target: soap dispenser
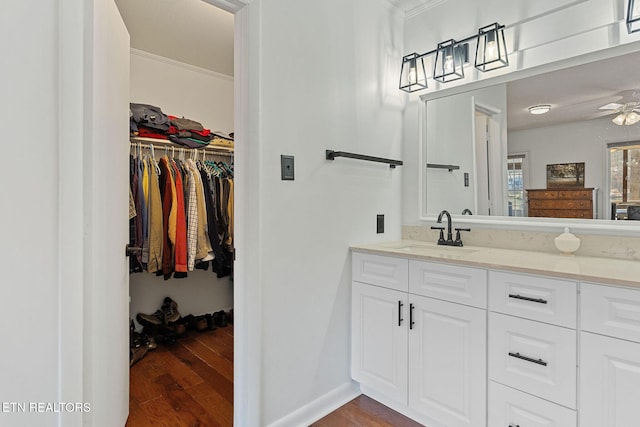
567,243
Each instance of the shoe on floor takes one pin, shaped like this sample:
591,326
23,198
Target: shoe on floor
136,354
170,310
220,318
155,319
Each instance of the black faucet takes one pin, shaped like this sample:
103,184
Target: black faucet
467,211
449,241
449,233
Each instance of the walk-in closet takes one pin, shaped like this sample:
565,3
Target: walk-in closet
181,249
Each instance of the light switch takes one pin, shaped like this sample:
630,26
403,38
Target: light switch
286,168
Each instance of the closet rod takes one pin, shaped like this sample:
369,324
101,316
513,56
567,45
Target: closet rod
162,144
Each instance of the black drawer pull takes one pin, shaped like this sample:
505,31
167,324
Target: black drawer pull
538,300
514,425
400,319
411,322
528,359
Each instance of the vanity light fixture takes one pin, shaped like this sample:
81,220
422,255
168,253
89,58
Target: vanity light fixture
633,16
491,50
413,76
452,55
448,63
540,109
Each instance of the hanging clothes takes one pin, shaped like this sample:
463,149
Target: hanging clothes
155,219
181,215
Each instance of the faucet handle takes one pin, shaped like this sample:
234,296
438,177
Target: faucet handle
441,238
458,241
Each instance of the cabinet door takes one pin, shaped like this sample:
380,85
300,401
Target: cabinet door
610,382
379,320
447,359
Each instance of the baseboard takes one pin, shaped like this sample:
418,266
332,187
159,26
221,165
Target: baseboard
324,405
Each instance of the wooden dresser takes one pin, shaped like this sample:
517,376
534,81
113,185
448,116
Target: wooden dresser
561,203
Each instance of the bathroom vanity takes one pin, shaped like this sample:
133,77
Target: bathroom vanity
474,336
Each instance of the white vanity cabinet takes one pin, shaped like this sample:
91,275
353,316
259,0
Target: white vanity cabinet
455,345
610,356
426,354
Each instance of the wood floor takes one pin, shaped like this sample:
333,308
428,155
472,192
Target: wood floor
190,384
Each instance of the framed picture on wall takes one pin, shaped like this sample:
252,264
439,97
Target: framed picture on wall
565,175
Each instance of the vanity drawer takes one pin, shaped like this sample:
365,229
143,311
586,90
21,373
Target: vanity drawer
611,311
464,285
510,407
538,298
534,357
380,270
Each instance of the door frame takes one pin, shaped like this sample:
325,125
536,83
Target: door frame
75,31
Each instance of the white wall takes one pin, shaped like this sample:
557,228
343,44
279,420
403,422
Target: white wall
29,245
570,143
180,89
328,78
537,34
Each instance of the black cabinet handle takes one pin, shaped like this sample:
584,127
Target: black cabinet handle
514,425
411,322
528,359
538,300
400,319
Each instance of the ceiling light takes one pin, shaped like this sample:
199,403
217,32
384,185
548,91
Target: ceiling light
540,109
626,119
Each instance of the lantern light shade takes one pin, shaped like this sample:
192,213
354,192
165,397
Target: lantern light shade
491,50
633,16
413,76
448,65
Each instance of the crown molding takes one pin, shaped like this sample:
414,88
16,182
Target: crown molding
428,4
154,57
231,6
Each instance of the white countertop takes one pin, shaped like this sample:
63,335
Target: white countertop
600,270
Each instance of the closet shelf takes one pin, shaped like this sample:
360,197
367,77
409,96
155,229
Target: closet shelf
211,147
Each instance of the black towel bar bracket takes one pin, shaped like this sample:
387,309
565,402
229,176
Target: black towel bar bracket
331,155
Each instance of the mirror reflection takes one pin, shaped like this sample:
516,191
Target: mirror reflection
489,152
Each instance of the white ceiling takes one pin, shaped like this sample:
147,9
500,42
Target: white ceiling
189,31
575,93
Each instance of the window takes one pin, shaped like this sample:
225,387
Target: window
624,186
515,185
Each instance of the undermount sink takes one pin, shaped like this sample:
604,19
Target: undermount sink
445,251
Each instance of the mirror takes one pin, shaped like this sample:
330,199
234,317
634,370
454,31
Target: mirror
484,149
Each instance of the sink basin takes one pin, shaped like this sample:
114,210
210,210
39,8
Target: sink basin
436,250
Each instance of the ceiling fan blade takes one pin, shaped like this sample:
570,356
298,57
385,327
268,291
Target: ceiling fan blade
600,114
611,106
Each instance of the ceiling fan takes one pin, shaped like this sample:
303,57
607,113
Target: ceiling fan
626,114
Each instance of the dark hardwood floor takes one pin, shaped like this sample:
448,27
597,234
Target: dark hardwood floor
190,384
